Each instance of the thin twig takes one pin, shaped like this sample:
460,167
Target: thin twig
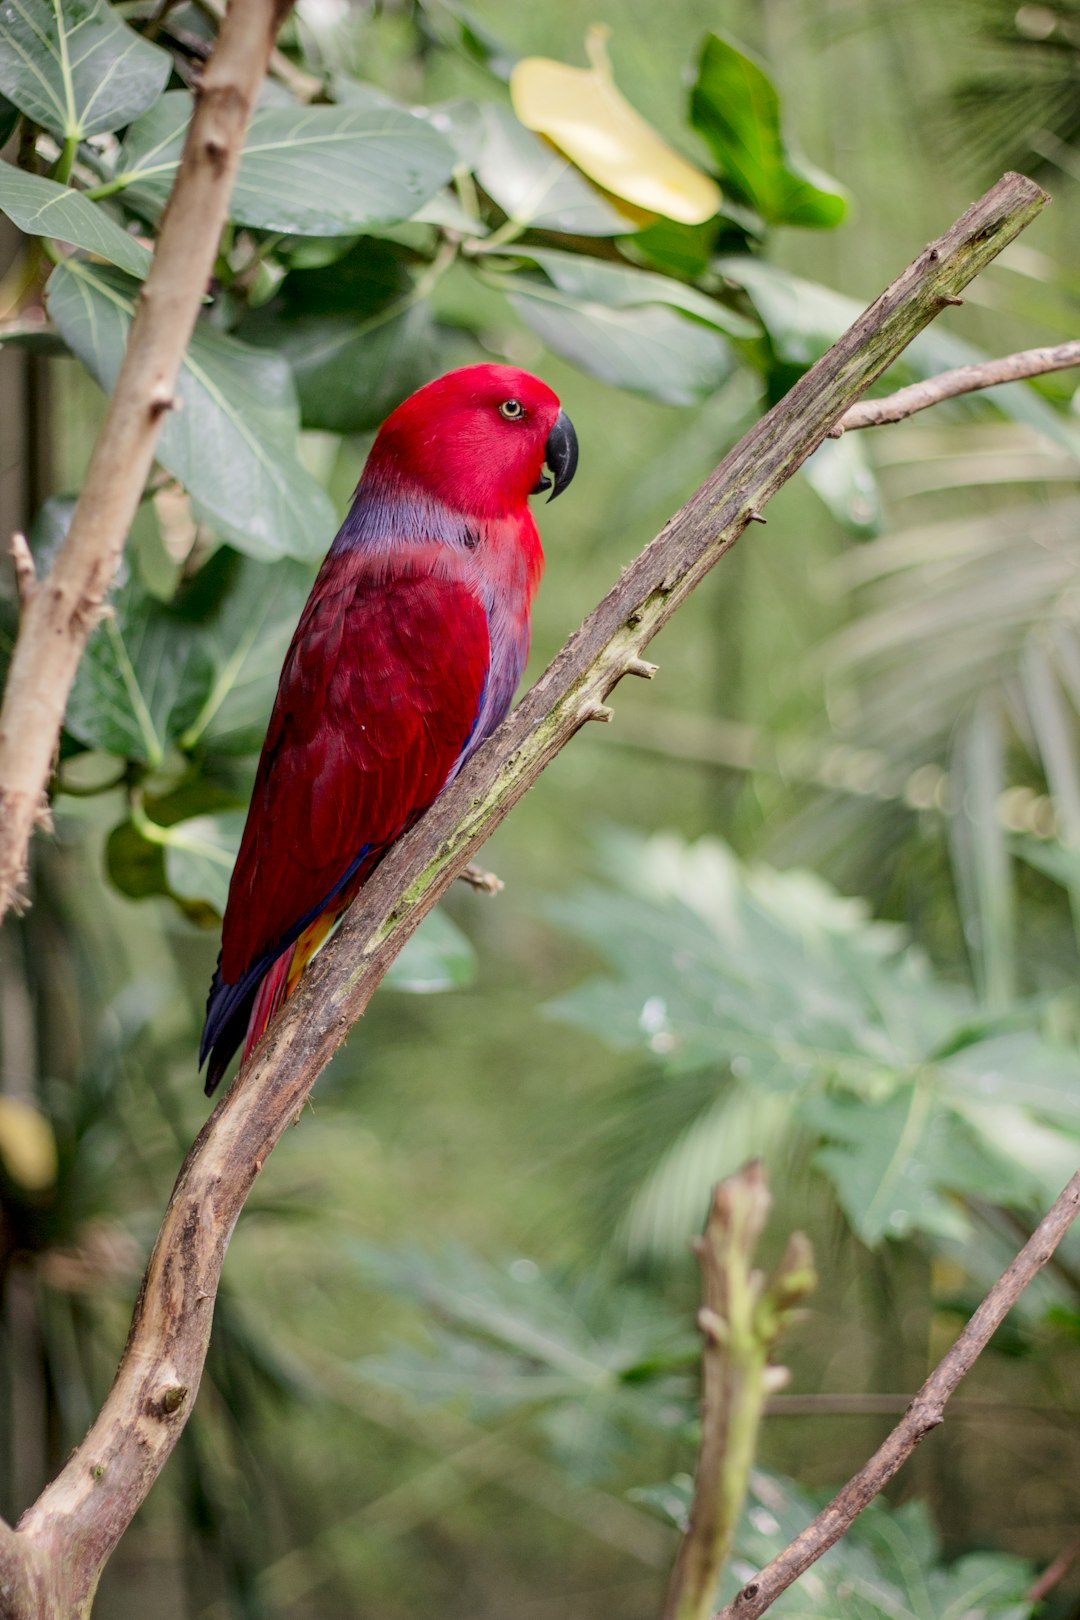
1053,1573
56,623
25,572
926,1411
89,1504
484,882
950,384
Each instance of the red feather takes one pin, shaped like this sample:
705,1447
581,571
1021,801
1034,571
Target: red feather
375,705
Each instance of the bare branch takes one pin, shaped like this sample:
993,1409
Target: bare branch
926,1411
950,384
86,1509
741,1320
58,618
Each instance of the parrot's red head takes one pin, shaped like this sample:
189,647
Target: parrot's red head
477,439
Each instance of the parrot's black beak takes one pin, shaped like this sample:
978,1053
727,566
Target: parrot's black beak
561,455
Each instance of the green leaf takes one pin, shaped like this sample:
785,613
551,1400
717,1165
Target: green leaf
618,287
232,441
458,26
312,171
815,1020
735,107
591,1362
1055,860
241,645
75,68
355,335
40,207
533,184
980,853
630,327
437,957
198,672
770,972
842,477
897,1165
200,854
134,691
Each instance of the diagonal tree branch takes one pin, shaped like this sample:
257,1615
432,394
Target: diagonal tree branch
82,1514
926,1411
951,384
58,616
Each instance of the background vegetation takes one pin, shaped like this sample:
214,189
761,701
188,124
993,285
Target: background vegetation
814,895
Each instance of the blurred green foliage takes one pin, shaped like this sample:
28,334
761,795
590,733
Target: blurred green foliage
457,1326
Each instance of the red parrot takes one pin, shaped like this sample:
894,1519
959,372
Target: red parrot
406,657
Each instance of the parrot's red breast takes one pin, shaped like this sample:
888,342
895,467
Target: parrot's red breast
406,656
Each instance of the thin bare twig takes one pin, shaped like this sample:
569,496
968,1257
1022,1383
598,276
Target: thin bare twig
58,617
92,1500
741,1320
950,384
484,882
1054,1572
926,1411
25,572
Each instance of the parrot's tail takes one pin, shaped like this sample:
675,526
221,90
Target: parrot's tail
238,1011
280,981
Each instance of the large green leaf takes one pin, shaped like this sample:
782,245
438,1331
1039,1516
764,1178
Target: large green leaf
232,441
312,171
895,1164
199,672
74,67
138,684
618,287
40,207
200,854
735,106
532,183
355,335
590,1362
630,327
779,987
242,644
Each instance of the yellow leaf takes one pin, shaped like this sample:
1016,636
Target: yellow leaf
584,114
27,1145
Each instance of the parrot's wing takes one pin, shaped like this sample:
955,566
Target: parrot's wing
378,698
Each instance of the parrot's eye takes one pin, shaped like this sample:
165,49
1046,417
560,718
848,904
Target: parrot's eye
512,409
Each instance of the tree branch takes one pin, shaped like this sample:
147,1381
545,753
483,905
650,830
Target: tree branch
950,384
84,1511
59,615
925,1413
